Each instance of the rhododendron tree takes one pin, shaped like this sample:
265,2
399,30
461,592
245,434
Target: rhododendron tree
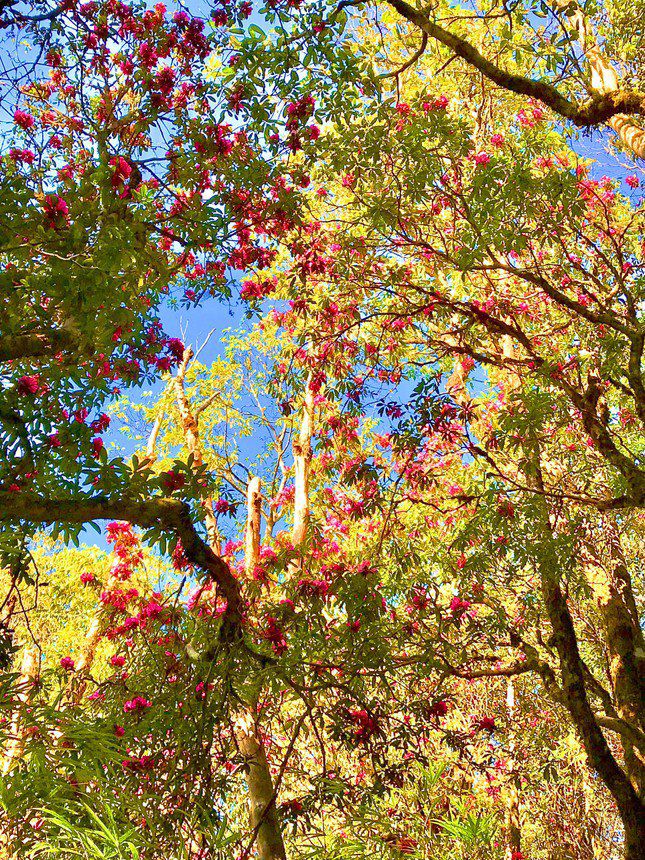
371,576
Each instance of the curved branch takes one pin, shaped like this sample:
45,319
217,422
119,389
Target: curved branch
416,56
169,514
603,107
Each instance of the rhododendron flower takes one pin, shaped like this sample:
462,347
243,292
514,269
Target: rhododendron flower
173,481
366,725
24,120
122,171
67,663
486,724
96,696
437,709
28,385
136,705
176,348
632,181
267,553
291,807
22,155
313,587
55,209
101,423
275,636
481,158
459,606
164,80
117,660
497,140
87,577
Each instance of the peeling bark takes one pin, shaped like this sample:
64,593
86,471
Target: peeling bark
302,466
263,815
29,669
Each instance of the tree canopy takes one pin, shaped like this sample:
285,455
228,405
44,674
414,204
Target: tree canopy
321,421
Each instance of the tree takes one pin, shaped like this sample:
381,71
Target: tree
449,338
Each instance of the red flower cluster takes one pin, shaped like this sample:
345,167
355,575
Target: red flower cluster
172,481
136,705
28,385
313,587
365,724
273,634
24,120
56,211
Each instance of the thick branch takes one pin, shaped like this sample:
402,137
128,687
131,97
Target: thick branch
601,108
169,514
19,346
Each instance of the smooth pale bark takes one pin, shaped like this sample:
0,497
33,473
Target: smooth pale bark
263,814
263,817
302,466
29,669
190,426
253,521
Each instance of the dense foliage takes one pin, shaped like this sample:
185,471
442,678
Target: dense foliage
369,566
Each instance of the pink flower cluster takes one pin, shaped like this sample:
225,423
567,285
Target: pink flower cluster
136,705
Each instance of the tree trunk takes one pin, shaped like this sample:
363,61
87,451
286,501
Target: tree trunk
612,588
302,463
513,830
263,816
600,758
29,669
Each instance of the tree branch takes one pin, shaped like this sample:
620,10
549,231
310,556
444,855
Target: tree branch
170,514
601,108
